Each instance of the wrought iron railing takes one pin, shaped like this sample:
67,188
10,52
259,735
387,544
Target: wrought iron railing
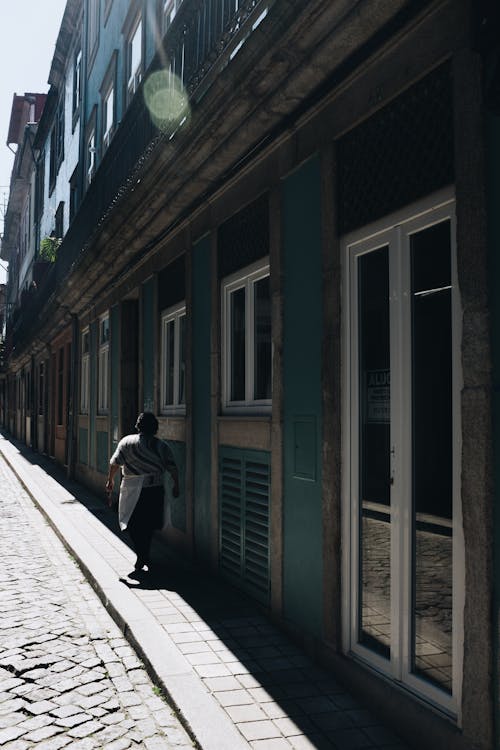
201,41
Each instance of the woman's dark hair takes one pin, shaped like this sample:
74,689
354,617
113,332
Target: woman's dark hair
147,423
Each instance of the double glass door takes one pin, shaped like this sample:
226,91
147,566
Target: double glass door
402,507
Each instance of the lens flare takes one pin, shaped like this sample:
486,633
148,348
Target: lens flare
166,100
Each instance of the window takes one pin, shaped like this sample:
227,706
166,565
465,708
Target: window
40,184
247,344
91,151
103,366
85,372
41,387
173,359
73,195
60,386
403,581
134,58
108,104
57,142
59,221
170,8
108,117
77,84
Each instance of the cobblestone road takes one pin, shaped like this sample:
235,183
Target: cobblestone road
68,678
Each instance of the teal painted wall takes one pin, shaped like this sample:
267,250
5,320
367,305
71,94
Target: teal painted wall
302,509
111,40
148,347
244,519
201,322
83,448
115,374
493,162
178,504
94,331
102,452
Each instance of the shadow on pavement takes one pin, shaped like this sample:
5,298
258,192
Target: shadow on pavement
303,699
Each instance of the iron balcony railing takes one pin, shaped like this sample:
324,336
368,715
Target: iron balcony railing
202,39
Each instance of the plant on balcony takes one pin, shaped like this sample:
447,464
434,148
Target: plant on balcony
48,248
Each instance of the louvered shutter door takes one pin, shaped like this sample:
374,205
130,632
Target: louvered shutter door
244,519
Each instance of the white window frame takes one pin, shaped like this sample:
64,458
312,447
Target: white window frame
92,156
103,366
397,229
134,74
77,82
170,8
245,278
173,314
85,372
108,115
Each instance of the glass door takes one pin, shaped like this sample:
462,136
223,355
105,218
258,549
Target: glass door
374,510
402,497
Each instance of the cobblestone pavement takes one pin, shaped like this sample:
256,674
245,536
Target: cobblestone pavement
68,678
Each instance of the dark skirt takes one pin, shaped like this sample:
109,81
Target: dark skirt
146,518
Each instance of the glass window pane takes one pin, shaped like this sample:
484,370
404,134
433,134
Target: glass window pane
432,455
135,50
108,111
238,335
262,339
374,457
182,360
170,361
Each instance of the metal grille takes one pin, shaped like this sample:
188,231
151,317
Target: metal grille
244,238
244,520
400,154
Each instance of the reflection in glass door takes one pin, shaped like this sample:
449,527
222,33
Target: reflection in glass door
374,452
402,495
432,428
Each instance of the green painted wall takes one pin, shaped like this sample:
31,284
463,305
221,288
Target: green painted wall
302,510
493,162
102,452
148,347
83,448
115,374
201,321
178,504
94,332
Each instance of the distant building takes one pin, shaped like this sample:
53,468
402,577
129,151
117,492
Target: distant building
275,225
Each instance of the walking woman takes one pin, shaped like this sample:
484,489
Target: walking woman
143,459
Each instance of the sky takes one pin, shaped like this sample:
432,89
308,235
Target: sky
28,34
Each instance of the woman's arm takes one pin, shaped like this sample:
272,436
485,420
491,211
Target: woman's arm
113,469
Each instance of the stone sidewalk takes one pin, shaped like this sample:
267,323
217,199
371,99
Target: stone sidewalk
68,677
236,681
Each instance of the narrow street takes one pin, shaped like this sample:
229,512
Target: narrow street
67,675
70,678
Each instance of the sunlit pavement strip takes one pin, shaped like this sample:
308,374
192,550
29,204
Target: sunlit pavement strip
67,674
234,678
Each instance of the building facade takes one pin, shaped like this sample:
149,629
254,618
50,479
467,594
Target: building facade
282,239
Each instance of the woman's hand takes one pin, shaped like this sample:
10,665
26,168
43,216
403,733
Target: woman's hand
113,470
109,491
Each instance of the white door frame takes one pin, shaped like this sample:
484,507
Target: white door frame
395,230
